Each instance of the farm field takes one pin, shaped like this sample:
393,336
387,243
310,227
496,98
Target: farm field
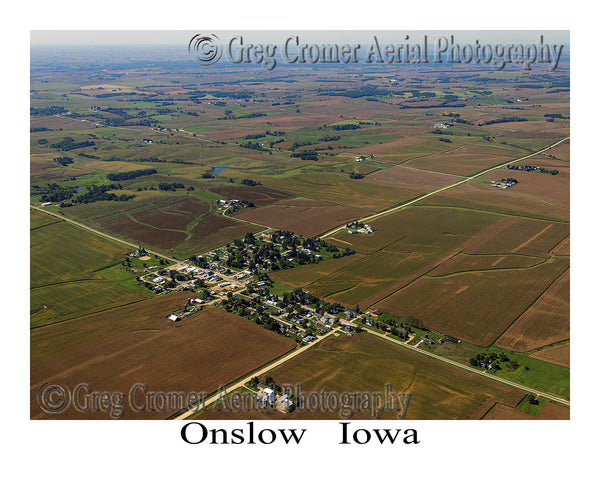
363,363
550,411
543,323
308,221
559,355
148,155
117,349
63,282
464,160
472,306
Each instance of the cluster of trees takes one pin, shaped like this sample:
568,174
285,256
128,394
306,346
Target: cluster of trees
52,192
365,91
254,146
504,120
63,161
356,176
256,136
249,182
51,110
96,193
69,144
114,177
329,138
344,126
165,186
532,168
493,361
306,155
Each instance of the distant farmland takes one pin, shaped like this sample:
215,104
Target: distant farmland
116,349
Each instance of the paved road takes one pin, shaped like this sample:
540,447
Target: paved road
435,192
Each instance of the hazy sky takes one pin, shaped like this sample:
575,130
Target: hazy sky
182,37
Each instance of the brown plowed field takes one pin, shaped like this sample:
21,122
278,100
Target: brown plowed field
259,194
421,181
476,195
563,248
544,323
114,350
475,307
306,221
466,263
550,411
559,355
517,236
174,216
214,230
466,160
156,237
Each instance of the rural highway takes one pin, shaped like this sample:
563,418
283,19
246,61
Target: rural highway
435,192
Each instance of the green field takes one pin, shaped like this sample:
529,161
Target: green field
64,282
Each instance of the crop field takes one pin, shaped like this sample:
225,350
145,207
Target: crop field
406,245
411,178
63,262
172,217
563,248
304,274
479,196
486,265
131,229
559,355
114,350
258,194
544,323
363,363
303,220
550,411
473,306
342,190
517,236
214,230
464,160
469,263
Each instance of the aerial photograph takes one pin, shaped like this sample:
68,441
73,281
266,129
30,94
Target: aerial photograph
302,225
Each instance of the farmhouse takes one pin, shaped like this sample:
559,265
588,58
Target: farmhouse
173,318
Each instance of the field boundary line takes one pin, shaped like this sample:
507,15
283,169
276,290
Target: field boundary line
105,235
435,192
532,304
482,373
